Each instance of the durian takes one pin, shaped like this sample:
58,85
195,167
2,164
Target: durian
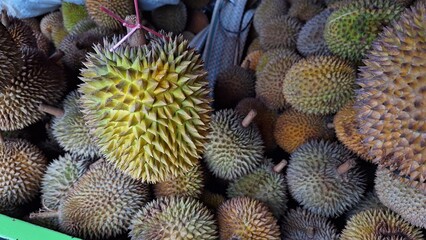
174,218
319,84
370,201
267,10
148,107
391,104
72,14
21,33
122,8
323,177
10,57
280,32
300,224
170,18
232,150
246,218
379,224
305,10
52,27
212,200
293,129
252,59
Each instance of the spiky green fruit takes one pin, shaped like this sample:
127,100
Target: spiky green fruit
232,150
174,218
351,29
301,224
71,130
317,181
21,168
72,14
120,7
264,185
148,107
171,18
102,203
60,175
280,32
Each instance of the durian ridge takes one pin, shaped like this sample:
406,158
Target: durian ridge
148,106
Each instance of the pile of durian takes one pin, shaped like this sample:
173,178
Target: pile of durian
319,133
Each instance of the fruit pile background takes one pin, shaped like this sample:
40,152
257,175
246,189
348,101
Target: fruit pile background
318,133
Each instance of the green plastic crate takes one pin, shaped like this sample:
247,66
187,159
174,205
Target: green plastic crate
14,229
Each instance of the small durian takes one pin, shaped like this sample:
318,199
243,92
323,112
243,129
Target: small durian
267,10
212,200
265,119
265,184
52,27
72,14
403,199
323,177
304,10
233,84
189,184
196,4
346,129
379,224
370,201
300,224
270,78
351,29
102,203
10,57
22,168
280,32
21,33
164,113
391,103
70,130
292,129
246,218
232,150
39,81
60,175
175,218
310,40
319,84
121,8
170,18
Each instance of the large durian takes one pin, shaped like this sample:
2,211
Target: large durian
148,106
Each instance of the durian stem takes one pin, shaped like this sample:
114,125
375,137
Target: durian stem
57,112
280,166
44,215
345,167
4,18
137,38
249,118
330,125
246,64
56,56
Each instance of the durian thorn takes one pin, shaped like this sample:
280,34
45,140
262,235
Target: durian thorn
330,125
310,231
5,18
57,112
246,64
280,166
345,167
249,118
56,56
44,215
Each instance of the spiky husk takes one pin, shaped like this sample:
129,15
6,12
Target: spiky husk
72,14
379,224
212,200
102,203
407,201
391,104
310,40
171,18
60,175
319,84
314,182
233,84
264,185
71,130
22,167
189,184
347,130
148,107
246,218
52,27
174,218
300,224
232,150
39,81
120,7
21,33
267,10
280,32
351,29
10,57
304,10
270,78
370,201
294,128
264,120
